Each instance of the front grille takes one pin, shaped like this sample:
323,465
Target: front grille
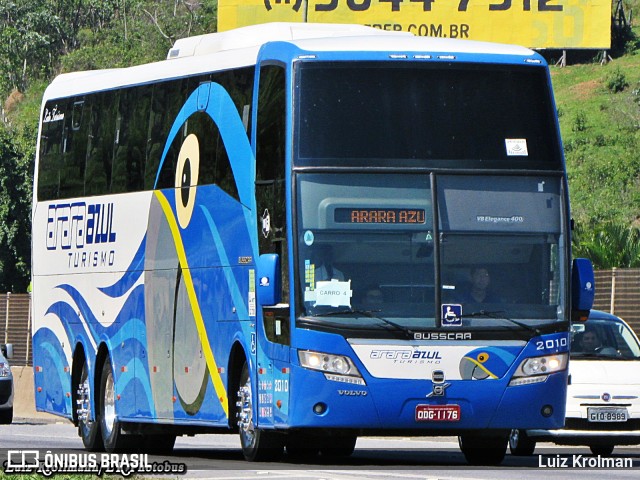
583,424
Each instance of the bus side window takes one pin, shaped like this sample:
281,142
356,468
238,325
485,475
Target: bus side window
129,139
75,150
166,101
238,84
51,148
99,149
214,167
270,168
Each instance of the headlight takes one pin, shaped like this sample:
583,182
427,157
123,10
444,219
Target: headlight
5,370
539,368
338,368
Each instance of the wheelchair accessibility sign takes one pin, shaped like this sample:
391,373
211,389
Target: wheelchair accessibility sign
451,315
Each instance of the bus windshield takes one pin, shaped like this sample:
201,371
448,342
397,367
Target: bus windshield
437,113
367,250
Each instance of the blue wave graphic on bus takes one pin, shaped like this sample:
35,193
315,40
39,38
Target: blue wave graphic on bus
127,333
131,275
220,107
166,311
53,376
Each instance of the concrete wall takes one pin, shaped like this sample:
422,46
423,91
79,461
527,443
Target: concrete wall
24,405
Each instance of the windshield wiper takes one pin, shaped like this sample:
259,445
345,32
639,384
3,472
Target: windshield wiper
369,314
497,316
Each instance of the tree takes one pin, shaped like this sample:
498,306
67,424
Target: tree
608,245
16,172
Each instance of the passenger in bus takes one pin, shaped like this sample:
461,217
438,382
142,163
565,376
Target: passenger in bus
323,260
373,297
479,291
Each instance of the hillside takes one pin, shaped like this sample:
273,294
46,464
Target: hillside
599,113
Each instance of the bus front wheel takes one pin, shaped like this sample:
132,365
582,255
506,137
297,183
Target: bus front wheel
520,444
257,445
483,449
604,450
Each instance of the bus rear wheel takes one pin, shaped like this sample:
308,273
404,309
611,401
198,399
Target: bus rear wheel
257,445
112,437
483,449
88,428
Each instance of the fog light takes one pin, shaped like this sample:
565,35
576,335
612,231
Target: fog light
319,408
547,411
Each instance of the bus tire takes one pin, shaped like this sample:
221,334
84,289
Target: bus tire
88,430
520,444
604,450
6,416
159,444
300,446
483,449
112,437
339,446
257,445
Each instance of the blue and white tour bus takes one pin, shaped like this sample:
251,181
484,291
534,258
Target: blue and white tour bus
305,233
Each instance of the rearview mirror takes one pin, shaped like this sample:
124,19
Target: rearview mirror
268,288
582,288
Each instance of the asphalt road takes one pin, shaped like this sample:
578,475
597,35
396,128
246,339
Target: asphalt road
219,457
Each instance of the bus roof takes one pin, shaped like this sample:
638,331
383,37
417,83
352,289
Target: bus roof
239,48
255,36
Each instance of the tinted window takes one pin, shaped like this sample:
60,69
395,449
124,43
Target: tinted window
74,153
417,114
51,148
130,140
100,144
112,142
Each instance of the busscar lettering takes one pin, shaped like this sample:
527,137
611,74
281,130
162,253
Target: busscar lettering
442,336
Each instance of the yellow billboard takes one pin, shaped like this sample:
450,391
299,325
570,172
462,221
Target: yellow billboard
566,24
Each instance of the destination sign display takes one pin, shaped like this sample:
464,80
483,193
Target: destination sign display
412,216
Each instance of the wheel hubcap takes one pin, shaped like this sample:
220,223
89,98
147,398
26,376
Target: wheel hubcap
83,403
109,405
245,414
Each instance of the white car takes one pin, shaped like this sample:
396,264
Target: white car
603,400
6,385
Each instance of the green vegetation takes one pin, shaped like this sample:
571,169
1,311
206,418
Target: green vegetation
42,38
599,111
598,106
